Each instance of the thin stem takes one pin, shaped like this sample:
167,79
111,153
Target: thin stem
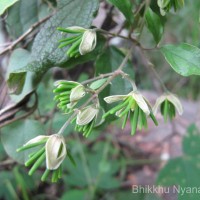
97,78
85,166
152,67
30,30
118,35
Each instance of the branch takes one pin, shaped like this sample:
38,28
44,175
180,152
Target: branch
113,75
13,44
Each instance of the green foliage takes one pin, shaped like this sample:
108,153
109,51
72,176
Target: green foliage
184,171
97,84
154,24
17,134
20,58
91,170
45,52
125,6
21,17
183,58
102,175
4,4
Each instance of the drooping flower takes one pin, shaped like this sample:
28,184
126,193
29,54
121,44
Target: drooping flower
68,93
53,149
88,118
132,105
82,43
168,104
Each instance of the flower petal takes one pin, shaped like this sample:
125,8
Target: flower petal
88,42
176,102
57,83
76,28
77,93
115,98
86,115
37,139
158,103
141,102
55,151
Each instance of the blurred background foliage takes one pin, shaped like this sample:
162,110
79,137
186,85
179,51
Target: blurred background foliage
103,165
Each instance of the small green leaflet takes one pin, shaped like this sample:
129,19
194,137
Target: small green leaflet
154,24
97,84
125,6
183,58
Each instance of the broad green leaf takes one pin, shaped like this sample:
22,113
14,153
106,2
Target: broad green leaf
183,58
109,61
19,58
7,186
125,6
20,17
184,171
104,179
17,134
154,24
75,194
4,4
45,52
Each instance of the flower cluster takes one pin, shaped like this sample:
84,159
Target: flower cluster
133,106
83,41
68,93
53,149
168,104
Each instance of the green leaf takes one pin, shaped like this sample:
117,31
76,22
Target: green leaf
75,194
184,171
109,61
21,17
17,134
7,186
45,52
183,58
97,84
4,4
19,58
104,179
154,24
125,6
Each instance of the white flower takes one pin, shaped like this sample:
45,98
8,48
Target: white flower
68,93
171,98
76,94
86,115
37,139
88,42
139,99
89,39
55,151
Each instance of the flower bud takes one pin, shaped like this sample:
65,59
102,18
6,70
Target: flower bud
83,41
68,93
88,118
88,42
55,151
168,102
